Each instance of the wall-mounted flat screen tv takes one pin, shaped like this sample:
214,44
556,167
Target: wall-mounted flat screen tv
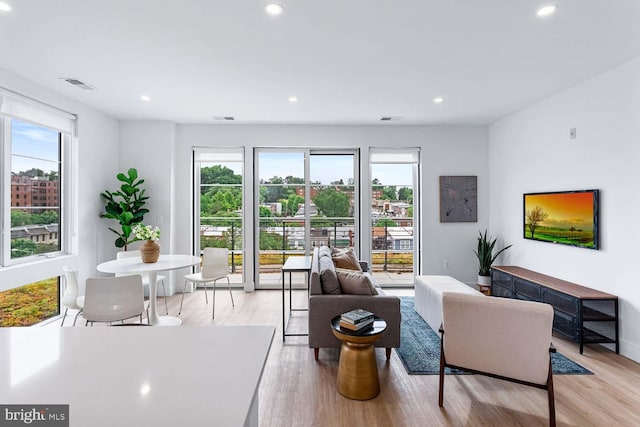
565,217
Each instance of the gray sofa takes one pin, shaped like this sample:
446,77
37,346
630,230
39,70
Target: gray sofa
324,307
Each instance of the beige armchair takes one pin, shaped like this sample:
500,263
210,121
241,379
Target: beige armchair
502,338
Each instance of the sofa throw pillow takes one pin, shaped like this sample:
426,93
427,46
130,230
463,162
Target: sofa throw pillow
324,251
328,278
366,277
355,283
347,259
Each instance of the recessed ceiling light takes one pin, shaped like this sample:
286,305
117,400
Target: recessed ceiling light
145,98
4,7
438,100
293,99
273,9
547,10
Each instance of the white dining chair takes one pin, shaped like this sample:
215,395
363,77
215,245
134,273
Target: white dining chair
145,276
112,299
215,266
70,298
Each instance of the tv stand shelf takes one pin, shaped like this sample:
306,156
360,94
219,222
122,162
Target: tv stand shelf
581,314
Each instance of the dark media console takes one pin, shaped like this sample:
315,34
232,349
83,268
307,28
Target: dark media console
581,314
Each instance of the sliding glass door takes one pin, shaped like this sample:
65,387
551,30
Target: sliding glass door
280,212
305,198
333,200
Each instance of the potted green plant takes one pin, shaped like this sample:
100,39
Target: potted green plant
486,257
126,206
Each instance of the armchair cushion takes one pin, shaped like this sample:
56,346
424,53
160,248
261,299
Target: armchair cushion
501,336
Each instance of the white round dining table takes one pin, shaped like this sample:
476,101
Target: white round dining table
135,265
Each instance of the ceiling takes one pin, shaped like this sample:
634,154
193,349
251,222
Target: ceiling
348,62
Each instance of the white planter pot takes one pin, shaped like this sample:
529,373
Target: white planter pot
484,280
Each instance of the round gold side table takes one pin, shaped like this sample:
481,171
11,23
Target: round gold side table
357,370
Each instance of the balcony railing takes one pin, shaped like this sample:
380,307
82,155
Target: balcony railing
280,237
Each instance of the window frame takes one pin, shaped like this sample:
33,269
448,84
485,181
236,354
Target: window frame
401,155
14,106
196,186
307,153
64,231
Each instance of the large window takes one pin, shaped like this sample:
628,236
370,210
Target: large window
219,205
394,201
35,189
286,201
36,146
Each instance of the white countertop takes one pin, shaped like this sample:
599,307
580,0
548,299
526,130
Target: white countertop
137,376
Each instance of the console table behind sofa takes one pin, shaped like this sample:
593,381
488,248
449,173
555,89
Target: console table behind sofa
582,314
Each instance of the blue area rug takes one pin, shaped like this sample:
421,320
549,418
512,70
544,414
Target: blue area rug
420,347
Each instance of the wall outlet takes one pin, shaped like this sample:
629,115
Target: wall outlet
446,264
572,133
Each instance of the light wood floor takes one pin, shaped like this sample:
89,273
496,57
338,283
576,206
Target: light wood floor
298,391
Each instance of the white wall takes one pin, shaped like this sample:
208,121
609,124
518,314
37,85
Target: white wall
97,165
446,150
148,146
531,152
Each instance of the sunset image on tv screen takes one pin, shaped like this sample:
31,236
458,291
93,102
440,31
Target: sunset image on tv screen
567,218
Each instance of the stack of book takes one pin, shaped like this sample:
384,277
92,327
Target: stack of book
356,320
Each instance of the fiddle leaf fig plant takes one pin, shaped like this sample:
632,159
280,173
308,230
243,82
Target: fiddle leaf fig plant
126,206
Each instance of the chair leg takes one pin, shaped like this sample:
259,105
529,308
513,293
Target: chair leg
206,299
64,317
182,300
229,283
76,318
550,395
164,293
388,351
441,385
213,304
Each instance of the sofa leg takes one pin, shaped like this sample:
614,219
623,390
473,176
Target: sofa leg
388,350
316,351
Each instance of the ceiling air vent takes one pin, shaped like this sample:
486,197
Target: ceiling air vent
78,83
391,118
227,118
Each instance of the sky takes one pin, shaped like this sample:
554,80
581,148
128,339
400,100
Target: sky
325,168
33,141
